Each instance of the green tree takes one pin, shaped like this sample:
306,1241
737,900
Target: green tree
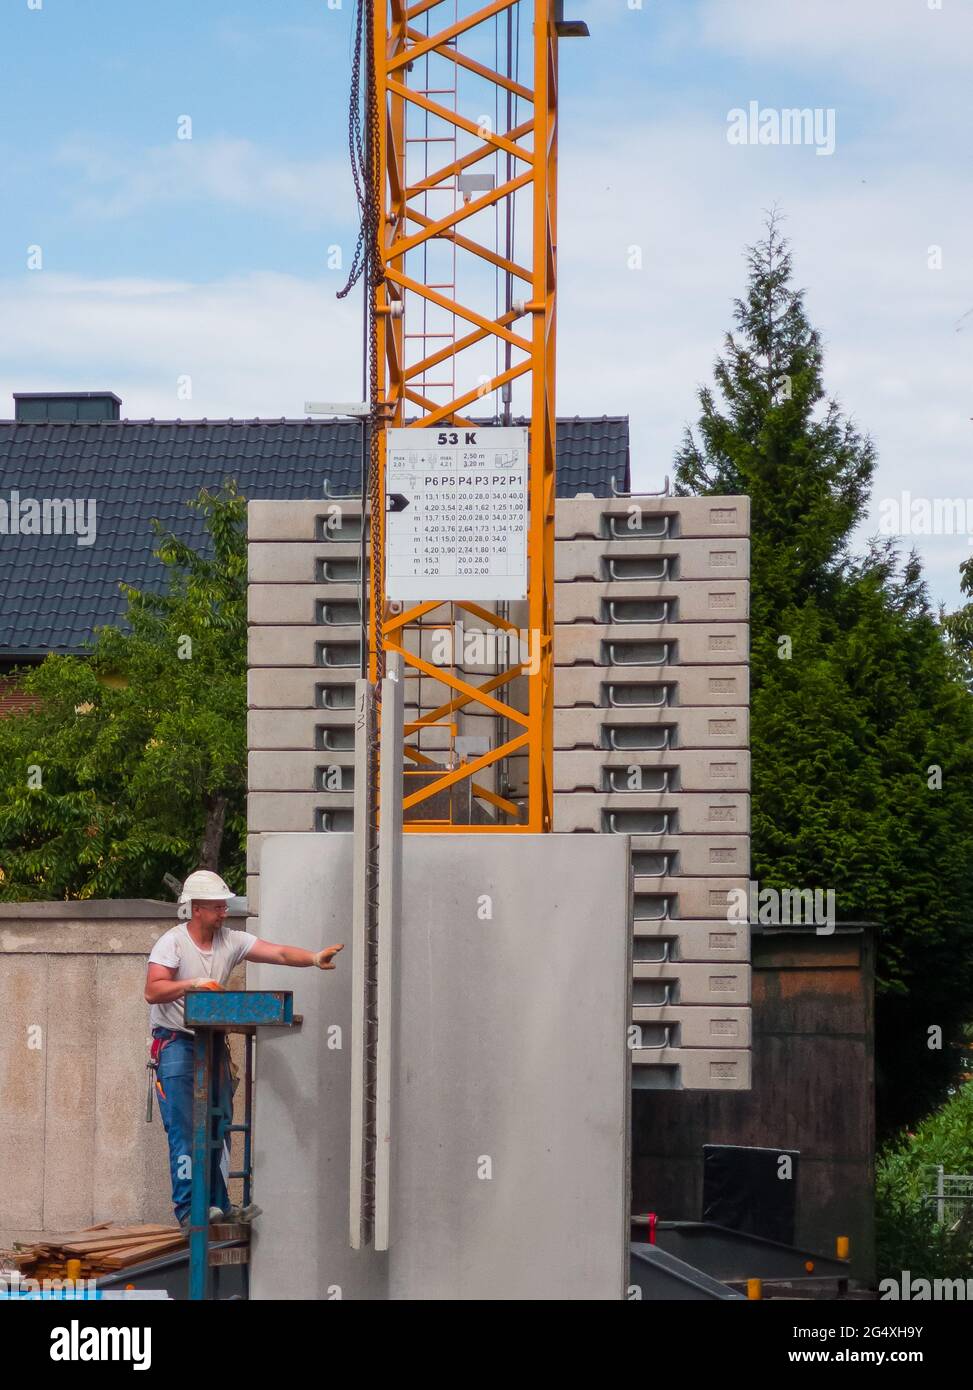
133,762
856,697
807,471
910,1236
958,626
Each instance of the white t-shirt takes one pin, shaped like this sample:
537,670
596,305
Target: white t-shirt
177,950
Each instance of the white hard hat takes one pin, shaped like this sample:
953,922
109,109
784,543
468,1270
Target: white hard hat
206,887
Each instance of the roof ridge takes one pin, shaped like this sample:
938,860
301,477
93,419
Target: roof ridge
259,420
113,424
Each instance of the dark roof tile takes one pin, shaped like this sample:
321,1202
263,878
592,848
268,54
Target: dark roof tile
53,592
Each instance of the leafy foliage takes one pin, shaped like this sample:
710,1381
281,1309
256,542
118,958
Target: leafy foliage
906,1228
133,763
958,626
852,718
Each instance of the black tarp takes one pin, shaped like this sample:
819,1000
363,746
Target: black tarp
752,1190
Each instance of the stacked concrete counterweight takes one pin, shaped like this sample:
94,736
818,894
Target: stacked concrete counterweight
651,732
304,642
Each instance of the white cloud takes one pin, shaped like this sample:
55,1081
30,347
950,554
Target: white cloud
867,37
257,345
640,342
118,182
635,342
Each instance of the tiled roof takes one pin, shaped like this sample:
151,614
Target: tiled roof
53,591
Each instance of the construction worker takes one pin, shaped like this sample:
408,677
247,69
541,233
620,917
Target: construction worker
201,953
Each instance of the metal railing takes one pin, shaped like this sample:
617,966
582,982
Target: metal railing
950,1196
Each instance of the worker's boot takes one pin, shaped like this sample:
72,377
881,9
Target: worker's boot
216,1214
244,1214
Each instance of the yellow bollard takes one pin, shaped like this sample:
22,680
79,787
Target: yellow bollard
74,1270
755,1288
842,1247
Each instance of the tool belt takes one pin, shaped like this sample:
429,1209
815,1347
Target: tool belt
158,1046
152,1068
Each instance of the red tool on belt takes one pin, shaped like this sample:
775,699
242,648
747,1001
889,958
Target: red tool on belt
152,1067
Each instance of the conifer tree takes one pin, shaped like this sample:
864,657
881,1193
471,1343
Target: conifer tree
861,728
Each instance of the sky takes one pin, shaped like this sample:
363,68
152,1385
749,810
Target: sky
162,258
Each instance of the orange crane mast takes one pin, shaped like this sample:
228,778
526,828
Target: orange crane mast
436,69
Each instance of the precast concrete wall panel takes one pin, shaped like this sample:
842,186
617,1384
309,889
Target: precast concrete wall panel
510,1065
302,1118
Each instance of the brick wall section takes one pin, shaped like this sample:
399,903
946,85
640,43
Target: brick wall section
12,697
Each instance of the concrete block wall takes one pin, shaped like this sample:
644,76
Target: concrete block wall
651,731
74,1144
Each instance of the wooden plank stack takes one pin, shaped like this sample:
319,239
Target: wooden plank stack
102,1249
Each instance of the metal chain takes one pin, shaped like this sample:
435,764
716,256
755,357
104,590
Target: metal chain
356,152
364,144
364,152
374,277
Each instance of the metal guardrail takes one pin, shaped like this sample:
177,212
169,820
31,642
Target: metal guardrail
950,1192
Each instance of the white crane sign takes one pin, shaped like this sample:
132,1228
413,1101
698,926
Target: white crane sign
456,526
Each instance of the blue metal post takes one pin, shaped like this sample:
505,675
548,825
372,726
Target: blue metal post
212,1015
201,1160
248,1120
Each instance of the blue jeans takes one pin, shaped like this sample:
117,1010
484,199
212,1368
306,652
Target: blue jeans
176,1079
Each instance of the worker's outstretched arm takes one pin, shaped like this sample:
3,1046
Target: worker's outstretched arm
268,953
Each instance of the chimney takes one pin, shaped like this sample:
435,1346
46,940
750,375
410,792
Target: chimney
44,407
